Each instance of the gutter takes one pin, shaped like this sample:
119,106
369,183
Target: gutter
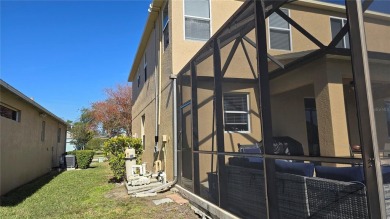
169,184
157,74
43,110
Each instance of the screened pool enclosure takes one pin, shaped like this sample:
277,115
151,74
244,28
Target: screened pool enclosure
278,118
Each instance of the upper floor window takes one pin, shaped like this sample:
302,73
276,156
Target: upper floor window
138,80
279,31
197,19
165,26
9,113
236,112
335,25
145,68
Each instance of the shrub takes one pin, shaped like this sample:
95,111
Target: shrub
114,149
84,158
70,153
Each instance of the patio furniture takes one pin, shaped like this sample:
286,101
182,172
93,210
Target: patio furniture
246,192
282,145
355,149
298,196
336,199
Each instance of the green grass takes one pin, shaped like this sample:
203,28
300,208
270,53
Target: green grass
82,194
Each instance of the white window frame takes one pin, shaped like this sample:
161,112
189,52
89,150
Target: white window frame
282,29
164,26
238,112
198,18
344,22
13,109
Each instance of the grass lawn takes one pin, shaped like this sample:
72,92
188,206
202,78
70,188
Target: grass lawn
83,194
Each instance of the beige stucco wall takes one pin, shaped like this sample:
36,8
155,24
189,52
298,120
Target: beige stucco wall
144,97
24,156
183,49
328,80
327,85
171,62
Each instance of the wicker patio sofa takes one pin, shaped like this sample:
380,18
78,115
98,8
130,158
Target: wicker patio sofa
298,196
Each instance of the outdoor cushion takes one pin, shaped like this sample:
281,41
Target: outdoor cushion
284,145
251,150
346,174
302,169
238,161
248,162
386,174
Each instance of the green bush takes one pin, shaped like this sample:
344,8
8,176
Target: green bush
70,153
84,158
115,147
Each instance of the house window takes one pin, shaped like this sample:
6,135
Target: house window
43,131
145,68
165,25
138,80
197,19
279,31
59,135
335,25
9,113
236,112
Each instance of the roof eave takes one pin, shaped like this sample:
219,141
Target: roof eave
13,90
153,15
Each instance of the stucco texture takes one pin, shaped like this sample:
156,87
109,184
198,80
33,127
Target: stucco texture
24,156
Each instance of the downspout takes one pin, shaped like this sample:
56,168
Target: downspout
167,185
156,10
157,74
159,86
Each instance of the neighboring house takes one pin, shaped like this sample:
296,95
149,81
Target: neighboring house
32,139
315,97
69,145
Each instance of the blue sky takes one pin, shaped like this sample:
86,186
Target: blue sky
64,53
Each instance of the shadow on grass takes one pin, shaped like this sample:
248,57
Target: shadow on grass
115,180
18,195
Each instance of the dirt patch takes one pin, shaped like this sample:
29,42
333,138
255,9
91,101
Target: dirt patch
117,193
166,210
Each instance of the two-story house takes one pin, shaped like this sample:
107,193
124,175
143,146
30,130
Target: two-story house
174,32
324,105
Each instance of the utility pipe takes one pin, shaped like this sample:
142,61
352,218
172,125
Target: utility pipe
156,71
159,79
165,186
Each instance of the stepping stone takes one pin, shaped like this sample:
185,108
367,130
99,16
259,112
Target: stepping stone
162,201
177,198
